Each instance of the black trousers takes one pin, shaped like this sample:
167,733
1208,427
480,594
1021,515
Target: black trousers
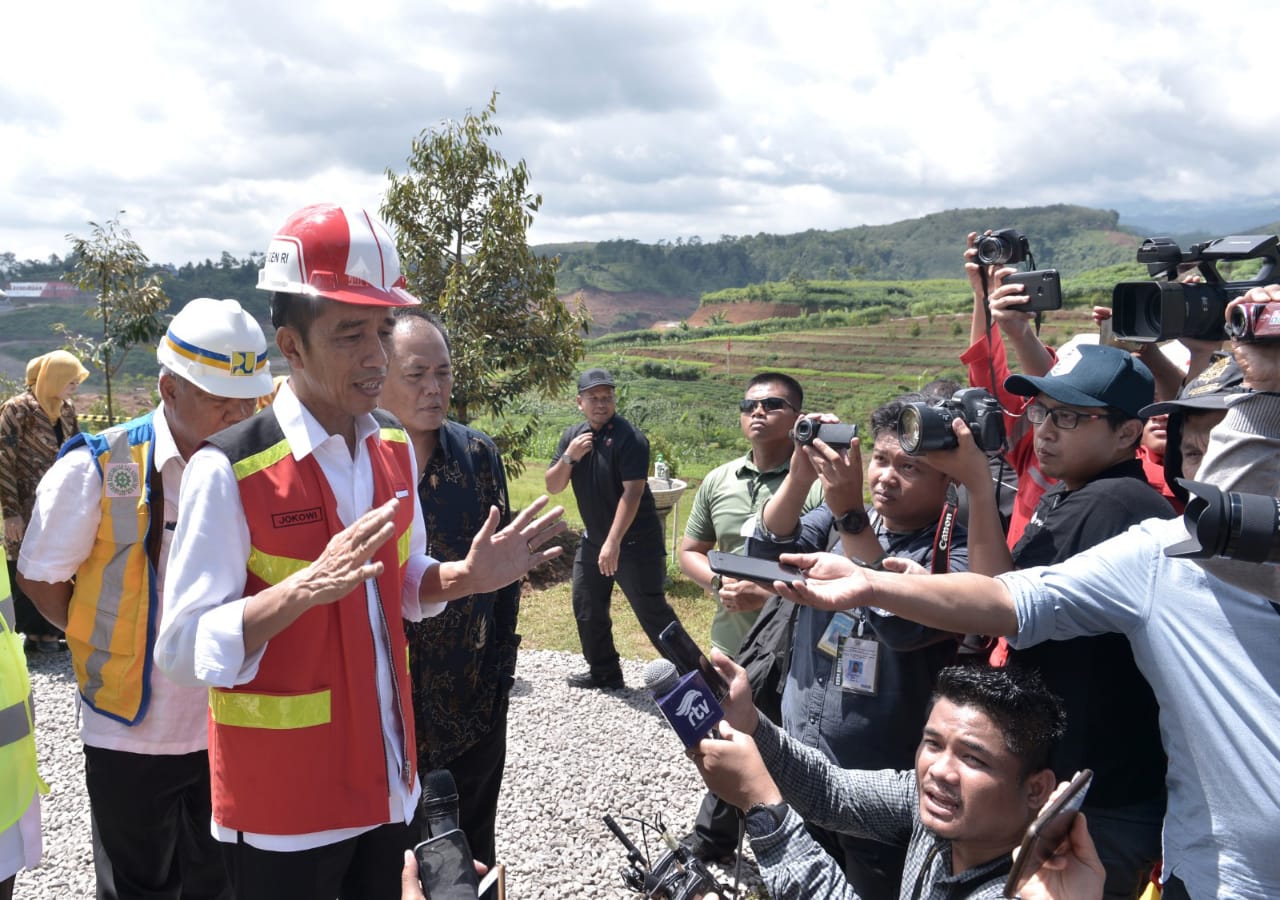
365,867
478,774
717,823
641,575
150,826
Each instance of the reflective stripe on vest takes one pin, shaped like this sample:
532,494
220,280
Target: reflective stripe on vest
14,724
270,710
19,780
6,612
123,515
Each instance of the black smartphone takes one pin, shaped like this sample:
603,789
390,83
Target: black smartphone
1042,286
763,572
686,656
1047,832
445,867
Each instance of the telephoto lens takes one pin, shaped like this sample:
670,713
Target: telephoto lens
833,434
1238,526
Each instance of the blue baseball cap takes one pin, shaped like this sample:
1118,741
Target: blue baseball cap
1099,376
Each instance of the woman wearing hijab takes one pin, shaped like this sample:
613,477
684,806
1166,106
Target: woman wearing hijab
33,426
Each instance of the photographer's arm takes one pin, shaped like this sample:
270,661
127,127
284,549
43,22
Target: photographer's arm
967,465
962,602
781,514
1006,302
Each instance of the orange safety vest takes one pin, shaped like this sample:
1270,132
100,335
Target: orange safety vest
299,749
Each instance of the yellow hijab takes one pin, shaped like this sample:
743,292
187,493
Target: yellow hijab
49,376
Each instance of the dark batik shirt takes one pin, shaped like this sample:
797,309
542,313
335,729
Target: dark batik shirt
462,661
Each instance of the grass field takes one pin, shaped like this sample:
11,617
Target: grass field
692,419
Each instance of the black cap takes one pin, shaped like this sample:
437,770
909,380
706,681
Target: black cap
594,378
1101,376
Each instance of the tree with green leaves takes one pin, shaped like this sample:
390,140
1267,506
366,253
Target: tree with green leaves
110,264
461,213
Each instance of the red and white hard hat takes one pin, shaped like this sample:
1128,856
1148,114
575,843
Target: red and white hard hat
338,252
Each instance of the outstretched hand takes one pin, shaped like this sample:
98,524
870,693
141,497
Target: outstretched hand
498,558
1073,872
342,565
831,582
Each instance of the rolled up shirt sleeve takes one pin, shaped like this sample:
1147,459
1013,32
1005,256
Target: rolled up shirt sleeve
201,636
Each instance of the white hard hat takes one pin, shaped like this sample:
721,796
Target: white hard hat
341,253
219,348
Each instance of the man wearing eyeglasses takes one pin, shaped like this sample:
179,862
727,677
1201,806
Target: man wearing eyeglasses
723,517
1088,418
606,458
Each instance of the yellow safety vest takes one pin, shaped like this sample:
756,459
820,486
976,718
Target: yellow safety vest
19,779
114,610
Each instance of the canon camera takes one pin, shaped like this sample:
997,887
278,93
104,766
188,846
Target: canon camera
927,426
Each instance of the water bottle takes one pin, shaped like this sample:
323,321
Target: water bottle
660,470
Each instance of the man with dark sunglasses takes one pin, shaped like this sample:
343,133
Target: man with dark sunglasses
723,518
606,458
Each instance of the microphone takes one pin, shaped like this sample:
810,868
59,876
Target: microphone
690,708
439,804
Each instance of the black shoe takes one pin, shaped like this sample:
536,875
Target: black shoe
612,682
707,852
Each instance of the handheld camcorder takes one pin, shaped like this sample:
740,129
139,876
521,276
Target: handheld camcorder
1003,248
1250,322
1148,311
1238,526
927,426
834,434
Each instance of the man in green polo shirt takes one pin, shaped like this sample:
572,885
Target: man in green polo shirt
723,517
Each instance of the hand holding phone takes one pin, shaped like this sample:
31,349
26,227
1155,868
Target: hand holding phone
1043,288
445,867
1047,832
687,656
763,572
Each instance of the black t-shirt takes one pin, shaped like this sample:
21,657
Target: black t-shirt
1112,715
620,452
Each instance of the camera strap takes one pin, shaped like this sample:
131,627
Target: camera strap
943,533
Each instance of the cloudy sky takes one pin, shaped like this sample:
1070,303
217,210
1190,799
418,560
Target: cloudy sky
209,123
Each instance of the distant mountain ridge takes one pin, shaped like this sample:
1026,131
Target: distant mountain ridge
1073,239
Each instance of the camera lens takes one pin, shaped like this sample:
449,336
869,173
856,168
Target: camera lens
994,250
909,429
805,430
1237,326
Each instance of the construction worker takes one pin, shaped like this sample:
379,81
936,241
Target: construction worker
104,516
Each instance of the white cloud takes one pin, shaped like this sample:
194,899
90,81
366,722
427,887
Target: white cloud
209,124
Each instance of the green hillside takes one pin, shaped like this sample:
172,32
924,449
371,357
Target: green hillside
1070,238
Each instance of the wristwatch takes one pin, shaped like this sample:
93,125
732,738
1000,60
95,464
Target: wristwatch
570,460
765,818
855,521
716,583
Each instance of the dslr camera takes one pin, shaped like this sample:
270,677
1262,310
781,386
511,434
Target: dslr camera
1238,526
1003,248
1149,311
833,434
927,426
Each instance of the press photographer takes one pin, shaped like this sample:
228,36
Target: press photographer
1204,634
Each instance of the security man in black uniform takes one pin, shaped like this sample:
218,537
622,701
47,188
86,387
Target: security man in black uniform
607,459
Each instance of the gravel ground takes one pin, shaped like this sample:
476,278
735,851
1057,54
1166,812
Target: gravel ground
573,756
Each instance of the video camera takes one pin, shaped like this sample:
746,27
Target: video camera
833,434
927,426
1238,526
678,875
1148,311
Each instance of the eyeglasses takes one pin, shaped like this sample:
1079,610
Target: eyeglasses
1066,419
769,404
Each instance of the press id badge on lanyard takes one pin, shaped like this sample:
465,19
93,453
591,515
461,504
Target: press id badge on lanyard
856,652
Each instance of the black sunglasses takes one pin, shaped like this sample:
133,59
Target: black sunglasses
770,404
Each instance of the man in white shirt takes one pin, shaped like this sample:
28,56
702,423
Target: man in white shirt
298,549
104,519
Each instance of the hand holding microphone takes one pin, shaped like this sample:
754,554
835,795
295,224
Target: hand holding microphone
688,705
734,770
